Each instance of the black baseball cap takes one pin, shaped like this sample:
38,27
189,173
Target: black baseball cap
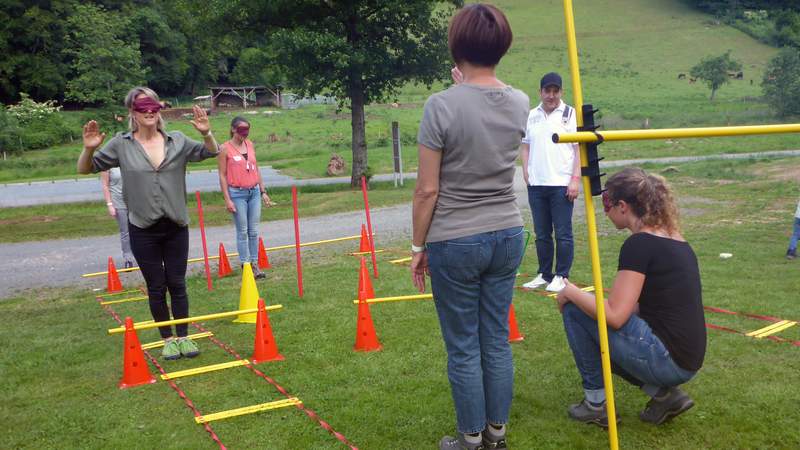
550,79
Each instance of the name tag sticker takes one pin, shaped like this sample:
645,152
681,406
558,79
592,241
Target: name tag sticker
237,158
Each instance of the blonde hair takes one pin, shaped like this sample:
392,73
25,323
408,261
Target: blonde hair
132,94
649,196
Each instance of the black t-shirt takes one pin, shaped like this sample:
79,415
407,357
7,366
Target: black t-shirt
671,299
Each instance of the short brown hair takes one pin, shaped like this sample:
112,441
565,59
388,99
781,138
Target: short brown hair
479,34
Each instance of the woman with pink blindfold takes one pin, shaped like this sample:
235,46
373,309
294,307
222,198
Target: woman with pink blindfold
656,325
153,163
243,189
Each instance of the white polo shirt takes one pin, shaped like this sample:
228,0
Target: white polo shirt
549,164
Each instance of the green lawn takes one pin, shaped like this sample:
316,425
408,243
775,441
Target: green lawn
631,53
60,369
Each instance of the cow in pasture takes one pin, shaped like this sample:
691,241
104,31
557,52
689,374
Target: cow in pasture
681,76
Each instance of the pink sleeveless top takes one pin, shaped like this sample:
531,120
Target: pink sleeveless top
241,172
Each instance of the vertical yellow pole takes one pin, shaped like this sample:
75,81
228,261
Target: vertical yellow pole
572,50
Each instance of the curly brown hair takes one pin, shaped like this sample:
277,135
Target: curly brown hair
649,196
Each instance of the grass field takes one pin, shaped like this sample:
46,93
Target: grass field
60,369
631,53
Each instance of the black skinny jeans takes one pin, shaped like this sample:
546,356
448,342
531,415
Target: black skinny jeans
161,251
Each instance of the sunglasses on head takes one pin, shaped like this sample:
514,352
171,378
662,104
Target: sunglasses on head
607,202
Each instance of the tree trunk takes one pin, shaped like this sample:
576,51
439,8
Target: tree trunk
359,141
713,91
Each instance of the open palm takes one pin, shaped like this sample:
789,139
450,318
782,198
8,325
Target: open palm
92,137
200,121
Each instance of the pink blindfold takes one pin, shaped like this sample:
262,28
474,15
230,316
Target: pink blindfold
145,105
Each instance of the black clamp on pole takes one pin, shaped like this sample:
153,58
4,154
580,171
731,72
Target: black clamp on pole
592,168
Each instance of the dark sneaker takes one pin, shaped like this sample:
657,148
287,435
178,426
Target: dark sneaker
661,409
586,413
257,273
187,347
171,350
492,440
458,443
791,254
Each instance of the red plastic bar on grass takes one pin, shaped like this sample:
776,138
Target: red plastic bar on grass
369,226
203,238
297,243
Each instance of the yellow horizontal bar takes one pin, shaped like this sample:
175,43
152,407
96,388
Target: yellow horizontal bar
673,133
766,328
772,329
204,369
113,294
159,344
366,253
123,300
584,289
222,315
248,410
777,330
400,298
194,260
401,260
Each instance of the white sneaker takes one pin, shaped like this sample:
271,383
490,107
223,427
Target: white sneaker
535,283
556,285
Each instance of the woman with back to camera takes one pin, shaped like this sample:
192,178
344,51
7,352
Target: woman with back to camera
657,334
467,229
153,166
243,189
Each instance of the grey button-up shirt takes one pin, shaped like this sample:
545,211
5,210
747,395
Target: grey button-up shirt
152,193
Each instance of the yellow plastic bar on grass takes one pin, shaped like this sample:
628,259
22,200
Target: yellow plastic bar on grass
401,260
772,329
584,289
113,294
674,133
204,369
400,298
123,300
248,410
159,344
150,324
366,253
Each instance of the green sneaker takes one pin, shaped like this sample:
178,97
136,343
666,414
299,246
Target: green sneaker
187,347
171,350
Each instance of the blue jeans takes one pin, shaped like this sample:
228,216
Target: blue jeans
795,235
637,355
472,279
246,218
552,211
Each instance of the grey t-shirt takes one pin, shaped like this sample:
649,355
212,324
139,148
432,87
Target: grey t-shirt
152,193
479,131
115,188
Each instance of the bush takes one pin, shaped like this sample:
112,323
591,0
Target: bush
30,125
781,83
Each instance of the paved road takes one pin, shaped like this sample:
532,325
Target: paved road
88,189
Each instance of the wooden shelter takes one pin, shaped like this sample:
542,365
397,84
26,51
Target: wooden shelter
244,96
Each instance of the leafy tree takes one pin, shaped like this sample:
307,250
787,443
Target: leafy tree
164,51
781,83
104,64
713,70
360,51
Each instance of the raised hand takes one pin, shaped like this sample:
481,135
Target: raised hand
458,77
200,121
92,138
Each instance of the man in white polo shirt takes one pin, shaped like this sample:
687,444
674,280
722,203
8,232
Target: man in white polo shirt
552,173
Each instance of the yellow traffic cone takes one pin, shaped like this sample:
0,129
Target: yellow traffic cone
248,295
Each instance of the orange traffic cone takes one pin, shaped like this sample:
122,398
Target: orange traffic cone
265,348
364,282
224,265
113,284
513,331
366,339
134,369
263,261
363,246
